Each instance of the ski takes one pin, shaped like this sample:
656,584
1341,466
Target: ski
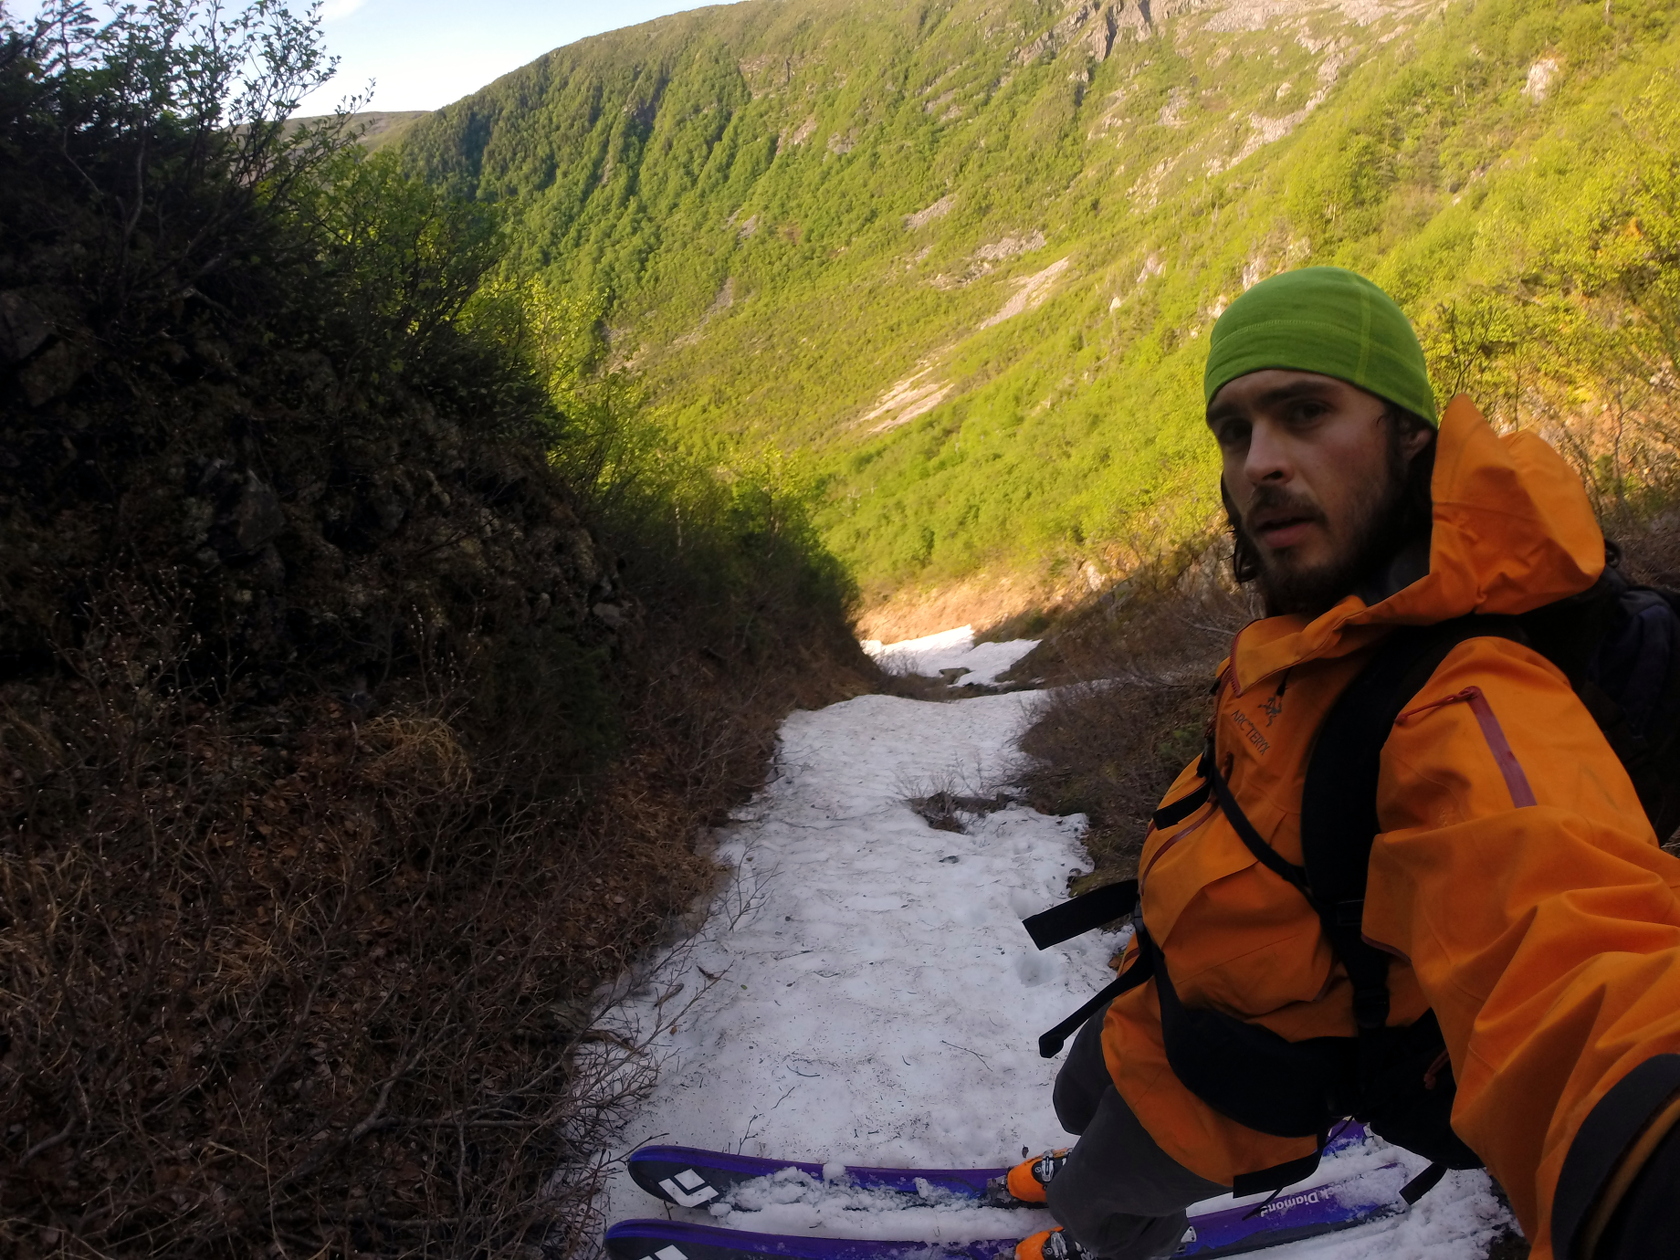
692,1177
1225,1231
674,1240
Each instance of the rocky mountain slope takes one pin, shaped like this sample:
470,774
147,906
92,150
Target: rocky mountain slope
959,255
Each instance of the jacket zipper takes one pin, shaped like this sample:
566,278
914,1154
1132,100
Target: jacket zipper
1516,781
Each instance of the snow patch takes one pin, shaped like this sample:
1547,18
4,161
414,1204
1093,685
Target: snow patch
949,650
855,998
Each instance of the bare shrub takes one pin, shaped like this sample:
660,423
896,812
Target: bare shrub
946,810
1651,549
1129,702
302,980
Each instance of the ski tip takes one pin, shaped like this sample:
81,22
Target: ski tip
653,1240
673,1174
628,1240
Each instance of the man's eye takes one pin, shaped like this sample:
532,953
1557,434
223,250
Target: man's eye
1231,434
1307,410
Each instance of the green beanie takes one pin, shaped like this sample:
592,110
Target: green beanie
1325,320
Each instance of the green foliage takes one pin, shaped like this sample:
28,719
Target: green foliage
786,210
405,255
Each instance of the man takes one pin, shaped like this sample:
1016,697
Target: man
1515,883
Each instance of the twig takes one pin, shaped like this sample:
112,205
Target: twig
46,1144
966,1050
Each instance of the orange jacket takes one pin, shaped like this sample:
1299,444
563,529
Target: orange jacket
1516,877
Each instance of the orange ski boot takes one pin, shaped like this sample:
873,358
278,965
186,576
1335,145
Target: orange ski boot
1051,1244
1026,1181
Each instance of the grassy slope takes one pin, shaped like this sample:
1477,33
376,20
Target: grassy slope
736,181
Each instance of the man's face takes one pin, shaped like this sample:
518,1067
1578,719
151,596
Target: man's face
1316,471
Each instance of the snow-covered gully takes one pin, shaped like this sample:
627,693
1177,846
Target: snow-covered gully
864,993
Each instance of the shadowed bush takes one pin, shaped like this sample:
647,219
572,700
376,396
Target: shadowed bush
350,737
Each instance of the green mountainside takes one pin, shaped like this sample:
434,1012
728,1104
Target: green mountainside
956,258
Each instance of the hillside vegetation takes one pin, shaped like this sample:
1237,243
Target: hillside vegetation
955,259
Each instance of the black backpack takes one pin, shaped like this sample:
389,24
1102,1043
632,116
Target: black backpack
1619,646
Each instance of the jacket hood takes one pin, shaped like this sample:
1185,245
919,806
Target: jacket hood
1512,530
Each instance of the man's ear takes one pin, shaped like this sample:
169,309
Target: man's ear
1414,440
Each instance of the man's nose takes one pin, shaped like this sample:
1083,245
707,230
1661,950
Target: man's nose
1268,456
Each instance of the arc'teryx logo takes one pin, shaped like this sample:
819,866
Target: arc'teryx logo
668,1253
687,1189
1250,731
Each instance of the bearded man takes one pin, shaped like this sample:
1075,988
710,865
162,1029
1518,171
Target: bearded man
1525,925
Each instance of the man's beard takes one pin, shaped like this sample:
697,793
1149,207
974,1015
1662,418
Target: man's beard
1385,523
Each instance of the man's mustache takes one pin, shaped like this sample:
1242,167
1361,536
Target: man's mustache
1276,503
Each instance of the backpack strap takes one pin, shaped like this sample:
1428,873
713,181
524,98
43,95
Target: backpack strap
1246,832
1050,1043
1339,797
1338,822
1082,914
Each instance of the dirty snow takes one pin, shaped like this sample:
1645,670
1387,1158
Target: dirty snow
863,991
950,649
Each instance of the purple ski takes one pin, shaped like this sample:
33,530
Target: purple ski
692,1177
1293,1215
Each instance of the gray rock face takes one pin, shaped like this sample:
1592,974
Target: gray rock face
23,328
256,519
51,375
244,513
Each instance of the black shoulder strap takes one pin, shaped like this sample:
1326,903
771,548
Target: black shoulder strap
1050,1043
1075,917
1339,797
1256,843
1082,914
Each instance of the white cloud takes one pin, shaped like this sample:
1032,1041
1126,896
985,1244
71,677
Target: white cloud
332,10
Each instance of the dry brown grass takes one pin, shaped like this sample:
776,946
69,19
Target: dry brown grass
350,737
1131,674
304,981
1651,549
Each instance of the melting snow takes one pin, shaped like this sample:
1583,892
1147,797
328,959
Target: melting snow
863,991
949,649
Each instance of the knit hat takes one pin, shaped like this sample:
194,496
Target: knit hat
1325,320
